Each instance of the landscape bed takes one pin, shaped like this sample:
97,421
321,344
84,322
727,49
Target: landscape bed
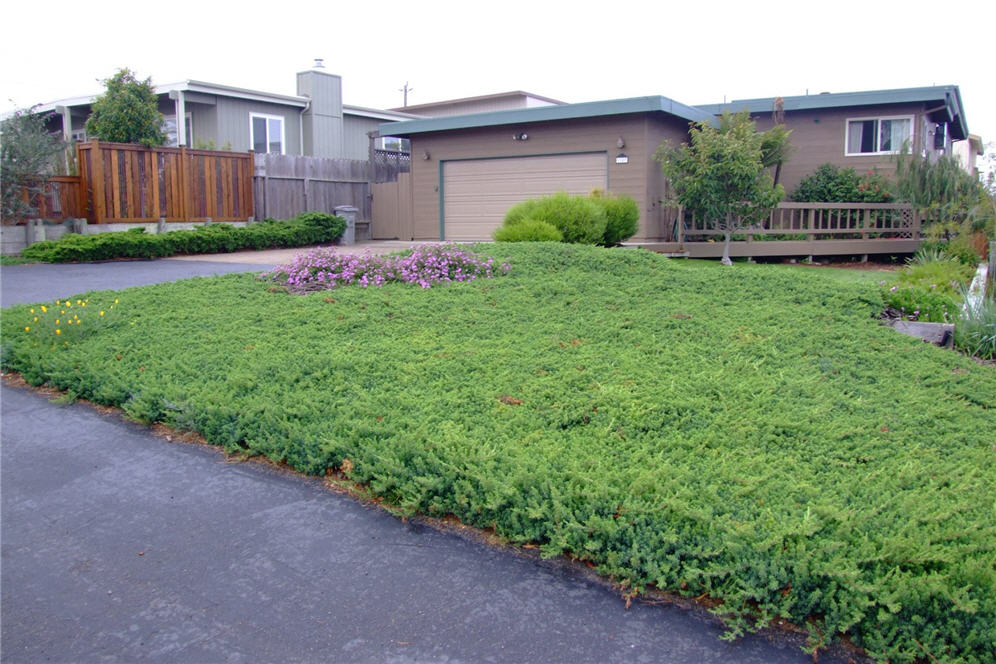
750,434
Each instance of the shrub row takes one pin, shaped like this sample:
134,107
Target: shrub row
305,229
599,218
833,184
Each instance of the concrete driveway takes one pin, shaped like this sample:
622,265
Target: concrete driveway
121,546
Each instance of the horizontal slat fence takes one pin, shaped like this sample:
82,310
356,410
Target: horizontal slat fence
131,183
287,185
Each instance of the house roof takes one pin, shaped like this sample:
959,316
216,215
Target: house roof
237,93
492,97
376,113
948,96
548,113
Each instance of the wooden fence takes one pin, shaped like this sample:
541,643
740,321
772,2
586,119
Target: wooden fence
57,199
131,183
287,185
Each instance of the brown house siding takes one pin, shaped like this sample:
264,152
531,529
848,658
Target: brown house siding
818,138
639,178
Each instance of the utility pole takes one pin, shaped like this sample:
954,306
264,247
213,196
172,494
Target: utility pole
406,90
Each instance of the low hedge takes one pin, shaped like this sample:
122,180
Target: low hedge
305,229
600,218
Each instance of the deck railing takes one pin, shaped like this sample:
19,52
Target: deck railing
817,221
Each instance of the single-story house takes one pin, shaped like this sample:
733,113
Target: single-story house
467,170
860,130
313,122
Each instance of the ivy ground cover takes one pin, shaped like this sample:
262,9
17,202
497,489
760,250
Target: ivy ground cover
751,434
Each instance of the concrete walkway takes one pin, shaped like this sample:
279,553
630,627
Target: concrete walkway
272,257
121,546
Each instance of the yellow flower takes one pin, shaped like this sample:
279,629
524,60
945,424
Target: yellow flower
68,303
63,311
44,309
79,301
82,304
57,302
36,319
32,311
56,321
115,300
27,329
58,331
101,313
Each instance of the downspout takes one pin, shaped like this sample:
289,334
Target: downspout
300,125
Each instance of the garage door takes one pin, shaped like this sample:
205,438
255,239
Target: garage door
478,192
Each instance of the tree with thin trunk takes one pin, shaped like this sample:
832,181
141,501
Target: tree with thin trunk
720,175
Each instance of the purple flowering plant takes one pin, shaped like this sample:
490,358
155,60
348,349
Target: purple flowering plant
426,265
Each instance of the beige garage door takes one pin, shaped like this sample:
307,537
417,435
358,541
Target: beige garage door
478,192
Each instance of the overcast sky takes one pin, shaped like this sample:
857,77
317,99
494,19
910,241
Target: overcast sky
572,51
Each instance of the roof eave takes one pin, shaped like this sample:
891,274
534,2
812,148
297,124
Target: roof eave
548,114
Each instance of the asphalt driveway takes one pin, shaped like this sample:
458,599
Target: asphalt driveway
121,546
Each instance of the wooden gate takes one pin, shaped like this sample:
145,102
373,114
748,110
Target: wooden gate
392,209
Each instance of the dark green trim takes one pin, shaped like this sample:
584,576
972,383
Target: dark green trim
948,95
592,109
442,181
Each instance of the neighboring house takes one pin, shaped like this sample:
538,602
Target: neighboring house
967,153
467,170
314,122
860,130
502,101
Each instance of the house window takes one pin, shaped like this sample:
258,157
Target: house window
266,133
169,126
877,135
393,144
940,136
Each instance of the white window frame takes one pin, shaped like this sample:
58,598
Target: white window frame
878,133
267,117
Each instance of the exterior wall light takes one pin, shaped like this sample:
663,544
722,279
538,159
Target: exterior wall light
520,137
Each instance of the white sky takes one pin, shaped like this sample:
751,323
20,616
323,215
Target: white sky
693,52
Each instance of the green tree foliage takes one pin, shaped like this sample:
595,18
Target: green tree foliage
28,154
832,184
954,202
721,176
127,112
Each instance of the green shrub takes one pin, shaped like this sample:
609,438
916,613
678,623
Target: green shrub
921,303
622,216
929,287
959,249
306,229
832,184
945,276
975,330
579,219
528,230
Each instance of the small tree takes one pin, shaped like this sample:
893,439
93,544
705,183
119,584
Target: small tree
953,200
28,155
720,175
128,112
